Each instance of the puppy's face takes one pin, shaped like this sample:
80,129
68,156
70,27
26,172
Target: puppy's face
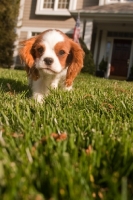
50,52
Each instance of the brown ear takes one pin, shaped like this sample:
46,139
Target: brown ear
32,72
26,56
76,64
25,52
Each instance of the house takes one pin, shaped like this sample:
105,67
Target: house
106,27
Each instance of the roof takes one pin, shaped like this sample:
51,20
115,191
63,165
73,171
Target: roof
111,8
108,8
121,10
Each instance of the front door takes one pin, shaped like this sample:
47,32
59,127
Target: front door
120,57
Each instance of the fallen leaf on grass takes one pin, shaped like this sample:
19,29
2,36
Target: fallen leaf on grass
100,194
39,197
56,136
59,137
120,90
91,178
87,95
108,105
44,139
36,197
94,195
10,93
89,150
16,135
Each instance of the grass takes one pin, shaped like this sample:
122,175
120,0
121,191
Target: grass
92,158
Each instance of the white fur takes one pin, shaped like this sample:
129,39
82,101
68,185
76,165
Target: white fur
53,37
50,76
46,82
49,52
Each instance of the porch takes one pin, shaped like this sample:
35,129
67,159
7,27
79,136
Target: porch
108,32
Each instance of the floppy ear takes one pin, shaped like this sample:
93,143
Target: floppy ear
25,52
76,63
26,56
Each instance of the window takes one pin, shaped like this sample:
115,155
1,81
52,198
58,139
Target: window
35,33
55,7
64,4
48,4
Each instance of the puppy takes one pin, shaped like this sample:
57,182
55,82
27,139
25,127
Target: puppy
51,57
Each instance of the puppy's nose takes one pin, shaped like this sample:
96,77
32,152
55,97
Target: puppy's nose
48,60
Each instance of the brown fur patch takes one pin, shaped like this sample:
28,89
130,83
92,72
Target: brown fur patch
37,50
25,52
62,50
77,55
33,73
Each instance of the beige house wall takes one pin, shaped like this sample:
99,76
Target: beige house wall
23,35
30,19
86,3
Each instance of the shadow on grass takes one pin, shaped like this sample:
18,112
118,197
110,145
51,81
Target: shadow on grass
14,86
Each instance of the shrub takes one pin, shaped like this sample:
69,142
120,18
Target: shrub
8,15
89,65
103,65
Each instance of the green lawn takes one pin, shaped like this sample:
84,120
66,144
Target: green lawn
92,158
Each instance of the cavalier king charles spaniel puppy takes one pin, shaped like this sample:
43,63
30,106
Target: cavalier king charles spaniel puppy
51,58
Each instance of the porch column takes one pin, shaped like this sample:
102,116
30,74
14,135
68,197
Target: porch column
101,2
103,46
19,24
97,46
88,33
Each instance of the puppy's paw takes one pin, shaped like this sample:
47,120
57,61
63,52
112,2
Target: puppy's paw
69,88
38,97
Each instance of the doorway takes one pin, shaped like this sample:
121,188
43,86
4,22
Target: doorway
120,57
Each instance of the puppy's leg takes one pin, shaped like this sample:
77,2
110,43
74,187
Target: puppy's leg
38,97
39,90
63,86
54,83
68,88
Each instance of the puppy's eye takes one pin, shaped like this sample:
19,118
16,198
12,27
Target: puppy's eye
61,52
40,50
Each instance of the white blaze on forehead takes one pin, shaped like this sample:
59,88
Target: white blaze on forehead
53,37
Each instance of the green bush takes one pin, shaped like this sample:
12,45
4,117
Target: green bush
89,65
8,16
103,65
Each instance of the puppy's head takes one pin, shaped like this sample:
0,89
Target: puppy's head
51,52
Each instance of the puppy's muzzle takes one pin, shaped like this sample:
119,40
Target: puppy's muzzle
48,61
